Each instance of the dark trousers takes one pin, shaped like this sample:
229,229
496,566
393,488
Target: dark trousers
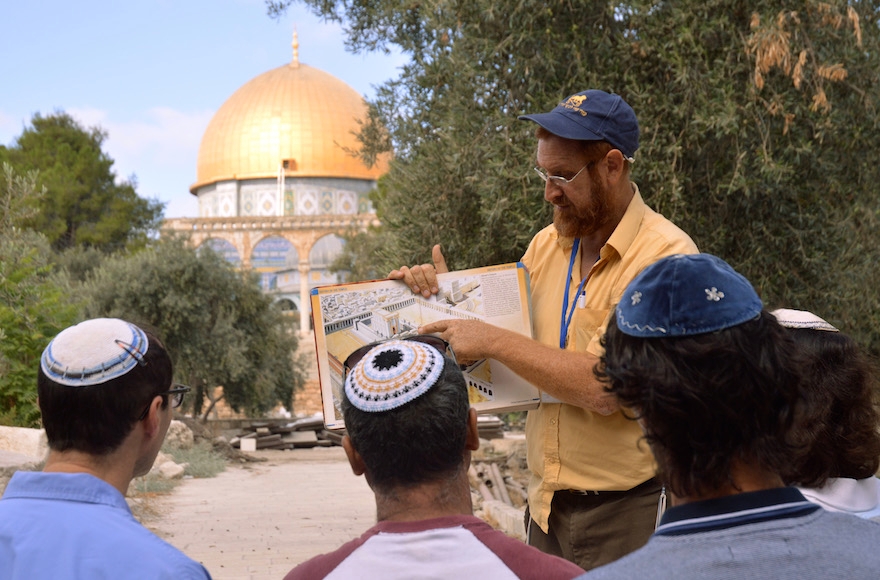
594,529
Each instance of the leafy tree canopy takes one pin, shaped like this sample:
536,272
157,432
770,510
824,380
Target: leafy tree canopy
760,129
35,302
83,204
217,324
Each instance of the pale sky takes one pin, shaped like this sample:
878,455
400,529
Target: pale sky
152,73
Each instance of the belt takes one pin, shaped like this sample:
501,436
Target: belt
651,482
588,492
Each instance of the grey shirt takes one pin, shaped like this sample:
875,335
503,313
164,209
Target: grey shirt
767,534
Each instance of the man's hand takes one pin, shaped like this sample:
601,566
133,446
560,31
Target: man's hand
564,374
422,279
470,340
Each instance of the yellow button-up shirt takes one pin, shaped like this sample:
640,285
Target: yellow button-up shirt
570,447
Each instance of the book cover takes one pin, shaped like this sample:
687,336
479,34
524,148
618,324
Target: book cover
348,316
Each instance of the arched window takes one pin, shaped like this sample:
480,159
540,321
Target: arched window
224,249
325,251
287,305
272,254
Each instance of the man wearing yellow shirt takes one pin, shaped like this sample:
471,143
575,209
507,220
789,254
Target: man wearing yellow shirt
592,496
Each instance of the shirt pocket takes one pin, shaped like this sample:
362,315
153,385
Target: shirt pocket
588,324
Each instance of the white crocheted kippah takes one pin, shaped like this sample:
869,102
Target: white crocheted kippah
393,374
94,352
801,319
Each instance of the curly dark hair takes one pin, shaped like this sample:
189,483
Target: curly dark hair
708,400
840,387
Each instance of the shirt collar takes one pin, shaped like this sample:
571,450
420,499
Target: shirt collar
734,510
626,231
79,487
623,235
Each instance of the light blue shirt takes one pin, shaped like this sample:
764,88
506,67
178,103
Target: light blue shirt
76,526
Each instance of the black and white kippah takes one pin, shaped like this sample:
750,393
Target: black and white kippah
393,374
94,352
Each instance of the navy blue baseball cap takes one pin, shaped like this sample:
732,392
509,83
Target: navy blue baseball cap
686,295
593,115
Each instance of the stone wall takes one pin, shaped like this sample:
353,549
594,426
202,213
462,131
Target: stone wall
308,400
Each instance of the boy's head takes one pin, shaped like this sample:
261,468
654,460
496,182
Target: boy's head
94,382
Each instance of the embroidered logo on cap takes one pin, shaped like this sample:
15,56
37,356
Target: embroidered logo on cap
714,294
686,295
574,102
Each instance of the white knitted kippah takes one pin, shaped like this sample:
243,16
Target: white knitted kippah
94,352
801,319
393,374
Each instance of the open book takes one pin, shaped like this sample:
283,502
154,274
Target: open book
348,316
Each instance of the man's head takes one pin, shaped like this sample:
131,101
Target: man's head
593,115
710,374
585,148
95,381
841,417
407,415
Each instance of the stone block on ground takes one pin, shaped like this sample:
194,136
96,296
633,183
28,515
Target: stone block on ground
161,459
509,445
506,518
30,442
179,435
171,470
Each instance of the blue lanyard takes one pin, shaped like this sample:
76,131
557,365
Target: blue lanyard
566,320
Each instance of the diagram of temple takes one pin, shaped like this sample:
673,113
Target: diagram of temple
349,316
353,319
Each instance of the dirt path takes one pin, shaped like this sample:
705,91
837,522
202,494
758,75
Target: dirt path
258,521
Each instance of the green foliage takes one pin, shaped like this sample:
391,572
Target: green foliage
78,262
83,205
358,258
767,144
760,130
462,174
514,420
34,301
217,324
200,460
150,484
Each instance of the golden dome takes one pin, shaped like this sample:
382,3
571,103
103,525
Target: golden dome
293,113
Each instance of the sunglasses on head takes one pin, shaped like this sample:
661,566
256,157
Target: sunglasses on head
433,341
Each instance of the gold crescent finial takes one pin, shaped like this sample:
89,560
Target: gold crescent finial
295,44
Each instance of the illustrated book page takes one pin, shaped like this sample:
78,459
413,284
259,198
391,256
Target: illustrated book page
348,316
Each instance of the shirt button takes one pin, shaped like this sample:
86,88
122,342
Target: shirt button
552,421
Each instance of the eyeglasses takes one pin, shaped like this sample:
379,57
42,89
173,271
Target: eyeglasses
558,179
175,398
429,339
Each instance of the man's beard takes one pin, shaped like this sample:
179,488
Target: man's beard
573,222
